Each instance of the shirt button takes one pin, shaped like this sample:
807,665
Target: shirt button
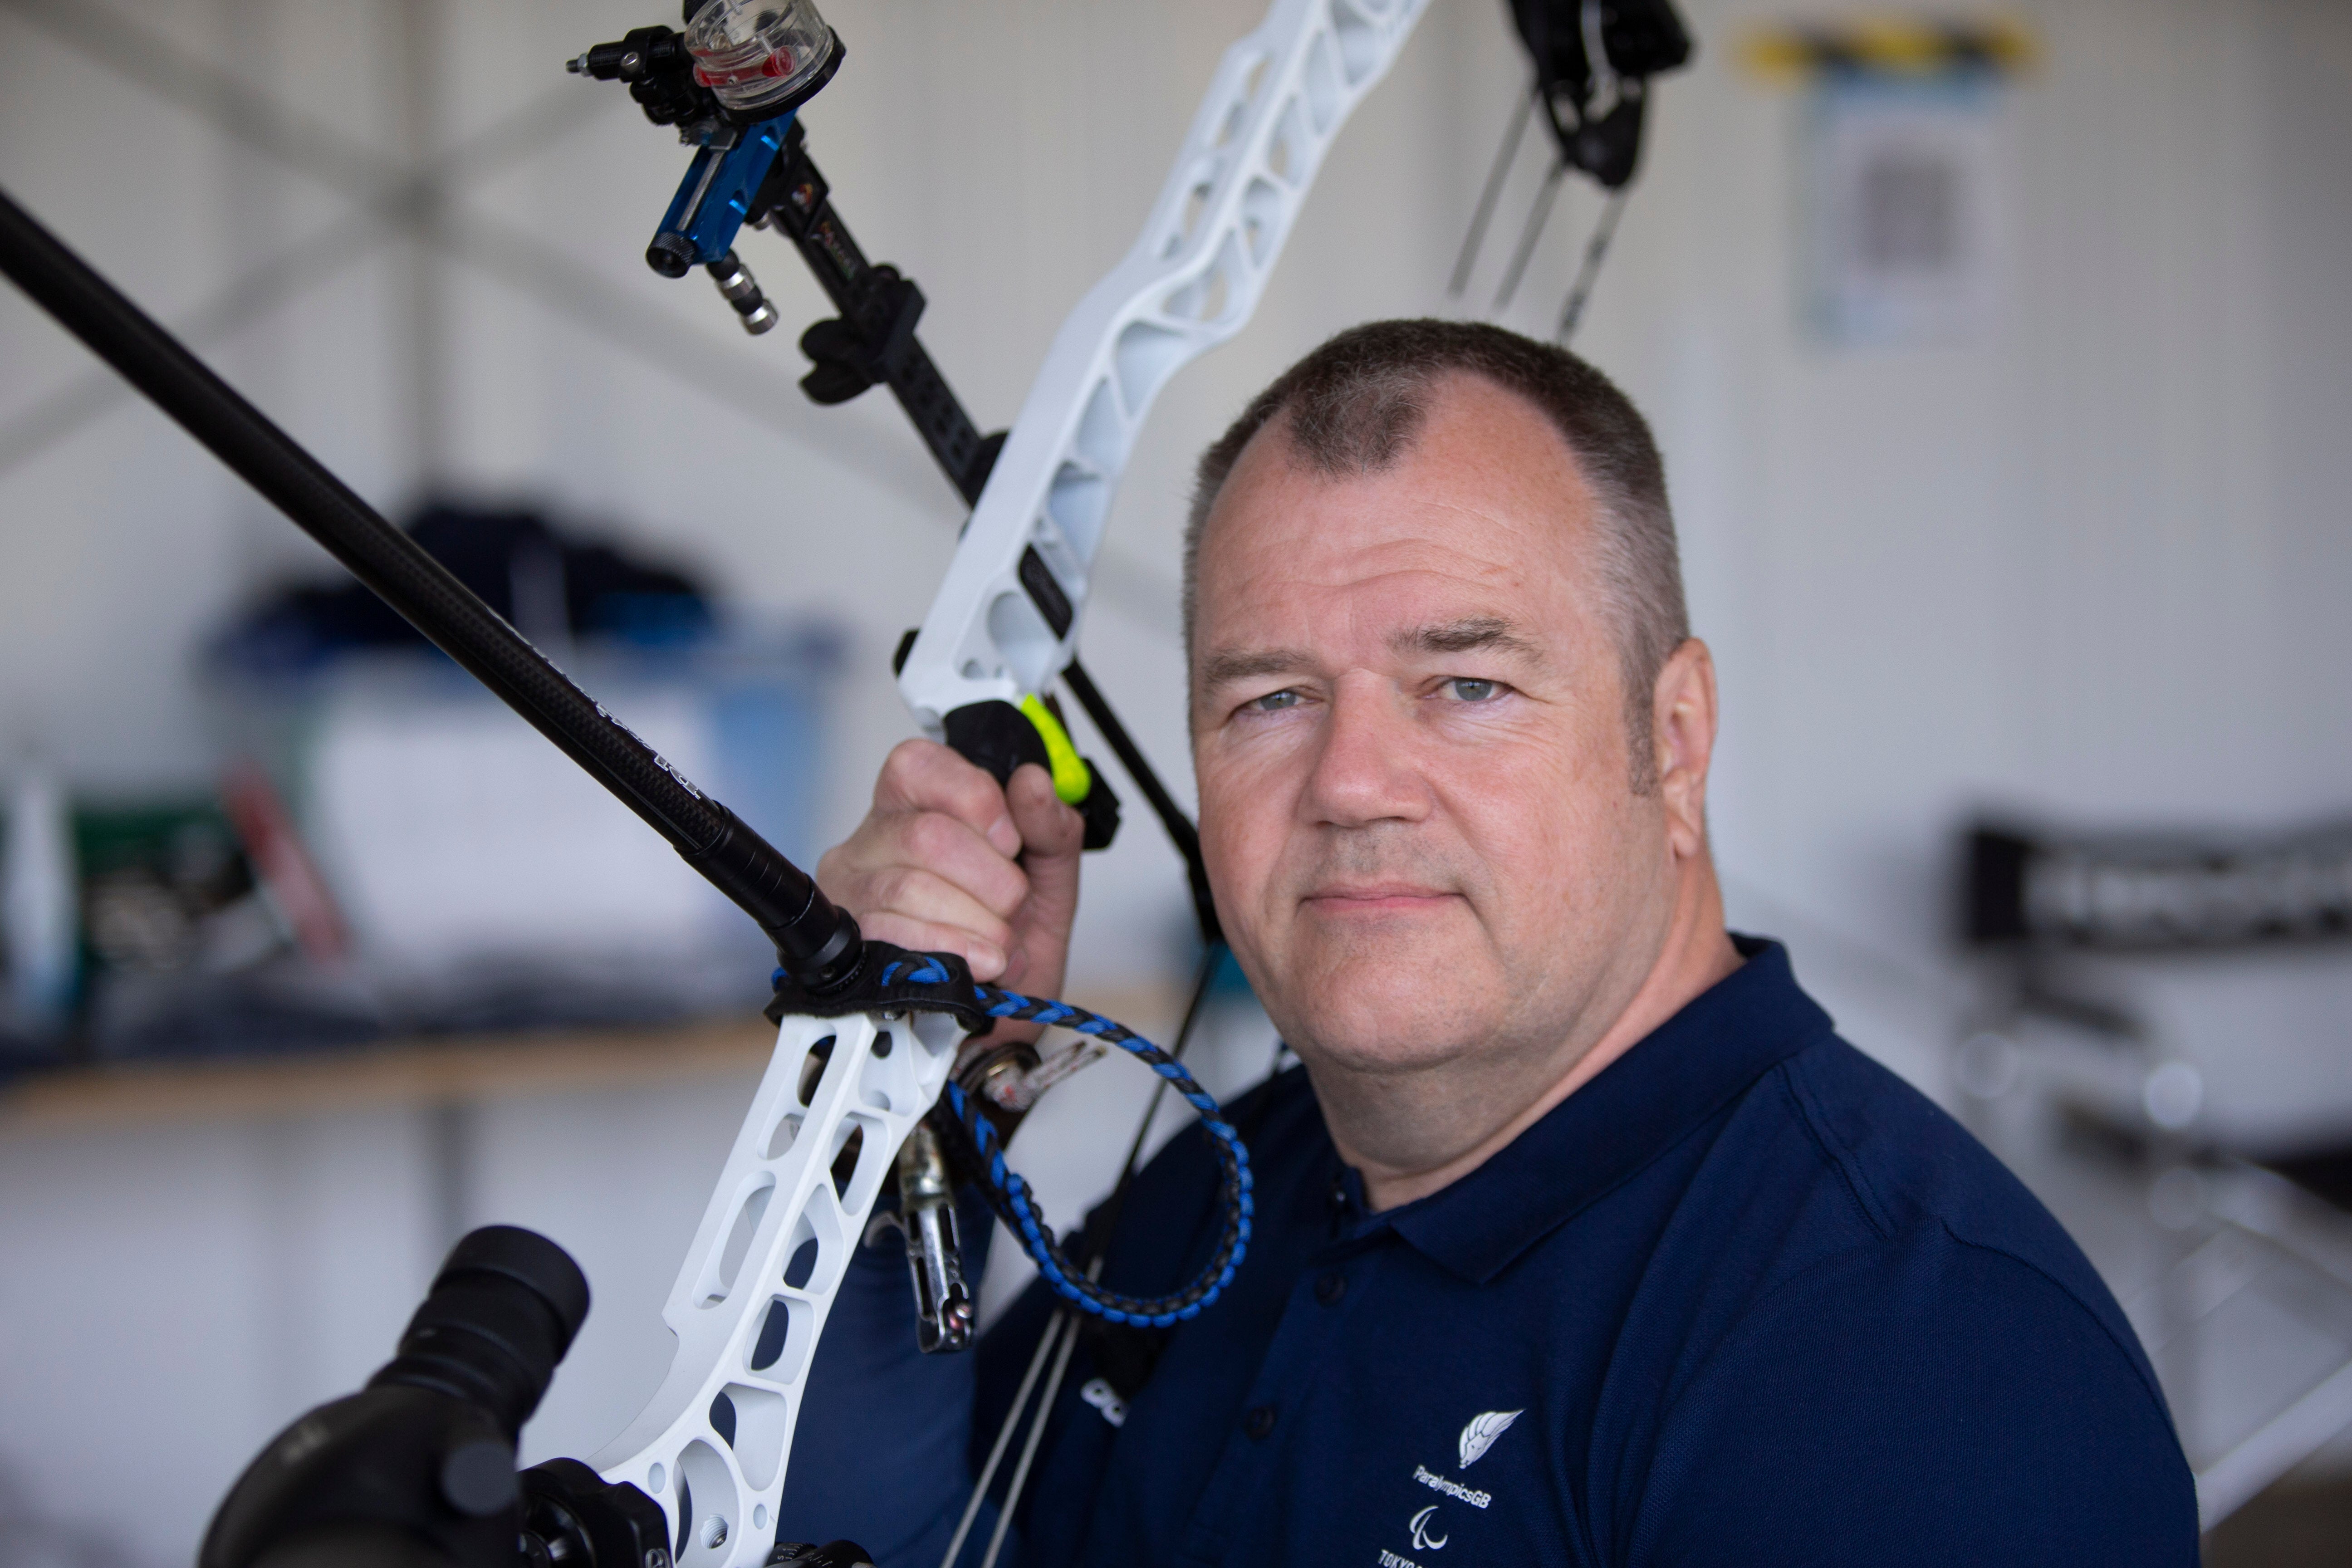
1259,1422
1330,1288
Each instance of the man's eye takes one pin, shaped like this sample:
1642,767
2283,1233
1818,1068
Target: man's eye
1275,701
1467,691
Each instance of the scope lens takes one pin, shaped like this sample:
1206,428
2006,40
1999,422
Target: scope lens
501,1314
759,57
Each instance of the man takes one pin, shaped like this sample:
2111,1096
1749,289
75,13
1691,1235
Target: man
1581,1238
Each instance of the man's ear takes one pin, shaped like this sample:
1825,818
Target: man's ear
1682,734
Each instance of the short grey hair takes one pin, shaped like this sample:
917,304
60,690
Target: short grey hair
1355,405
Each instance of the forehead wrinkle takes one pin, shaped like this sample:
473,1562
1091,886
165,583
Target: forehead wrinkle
1467,544
1409,564
1470,626
1466,635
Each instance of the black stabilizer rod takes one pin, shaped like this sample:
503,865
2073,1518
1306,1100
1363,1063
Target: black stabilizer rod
817,942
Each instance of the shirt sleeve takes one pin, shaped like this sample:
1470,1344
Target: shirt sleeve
1940,1402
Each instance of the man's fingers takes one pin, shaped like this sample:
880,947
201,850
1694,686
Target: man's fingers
1053,834
922,895
1047,827
923,776
930,841
946,845
934,866
986,959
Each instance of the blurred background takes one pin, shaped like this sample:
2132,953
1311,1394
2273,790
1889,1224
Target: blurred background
2004,409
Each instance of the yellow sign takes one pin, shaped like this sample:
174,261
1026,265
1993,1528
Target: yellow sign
1889,45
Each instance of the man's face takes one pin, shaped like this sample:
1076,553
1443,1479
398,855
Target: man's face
1409,727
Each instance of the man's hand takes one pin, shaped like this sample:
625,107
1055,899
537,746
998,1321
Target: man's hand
946,861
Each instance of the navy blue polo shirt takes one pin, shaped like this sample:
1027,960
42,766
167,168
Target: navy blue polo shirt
1746,1296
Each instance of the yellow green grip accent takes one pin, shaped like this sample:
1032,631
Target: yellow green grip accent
1072,779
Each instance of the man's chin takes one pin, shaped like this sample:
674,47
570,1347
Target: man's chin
1400,1014
1374,1054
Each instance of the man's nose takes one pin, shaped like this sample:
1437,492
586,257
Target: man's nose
1367,768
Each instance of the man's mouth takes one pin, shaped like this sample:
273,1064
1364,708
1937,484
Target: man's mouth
1357,900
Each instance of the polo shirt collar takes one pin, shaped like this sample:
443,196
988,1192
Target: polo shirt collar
1638,1106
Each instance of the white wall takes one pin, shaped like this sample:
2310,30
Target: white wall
2093,564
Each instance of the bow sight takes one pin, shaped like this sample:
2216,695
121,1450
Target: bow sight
733,83
730,83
